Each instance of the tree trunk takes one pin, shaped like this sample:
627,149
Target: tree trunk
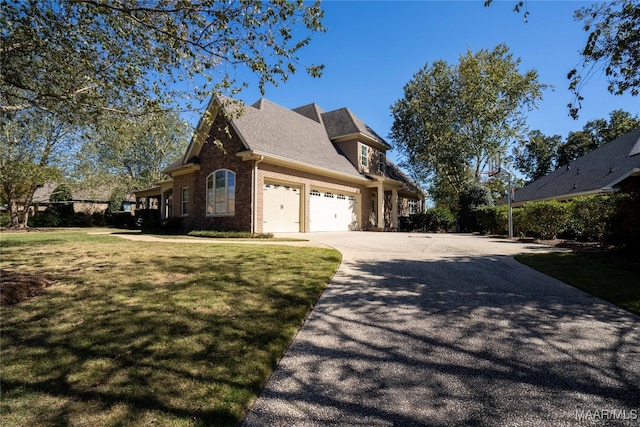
24,218
17,220
20,219
13,213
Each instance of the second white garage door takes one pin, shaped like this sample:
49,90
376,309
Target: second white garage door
330,211
281,208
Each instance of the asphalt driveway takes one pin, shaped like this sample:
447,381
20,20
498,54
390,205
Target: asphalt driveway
449,330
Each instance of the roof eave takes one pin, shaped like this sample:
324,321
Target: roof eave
617,181
362,136
186,169
568,196
281,161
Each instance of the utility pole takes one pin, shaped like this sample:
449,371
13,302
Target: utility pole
509,204
501,171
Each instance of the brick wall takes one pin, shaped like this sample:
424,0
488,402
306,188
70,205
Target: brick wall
211,159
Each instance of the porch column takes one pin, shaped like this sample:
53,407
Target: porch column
380,207
163,204
394,209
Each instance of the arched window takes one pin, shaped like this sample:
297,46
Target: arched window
221,193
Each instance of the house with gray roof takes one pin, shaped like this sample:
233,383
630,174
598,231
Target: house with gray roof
267,168
607,169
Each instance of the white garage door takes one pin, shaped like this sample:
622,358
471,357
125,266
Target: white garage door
332,211
281,208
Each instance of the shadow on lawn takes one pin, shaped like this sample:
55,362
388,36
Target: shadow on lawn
189,349
458,341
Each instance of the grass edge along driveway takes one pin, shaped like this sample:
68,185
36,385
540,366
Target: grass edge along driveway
138,334
603,280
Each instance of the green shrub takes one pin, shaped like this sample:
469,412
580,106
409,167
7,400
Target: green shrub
5,220
589,218
472,197
440,219
543,219
624,228
519,228
151,224
492,219
80,219
230,234
98,220
433,220
119,219
48,218
417,222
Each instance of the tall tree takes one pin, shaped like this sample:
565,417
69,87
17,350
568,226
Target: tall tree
81,60
536,156
31,143
90,56
134,149
577,144
453,119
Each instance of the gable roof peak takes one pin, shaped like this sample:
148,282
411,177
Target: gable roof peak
259,104
635,150
311,111
342,122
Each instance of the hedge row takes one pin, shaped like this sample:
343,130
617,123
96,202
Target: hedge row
52,218
433,220
609,219
230,234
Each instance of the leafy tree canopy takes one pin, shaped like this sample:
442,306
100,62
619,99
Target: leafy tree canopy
613,46
537,155
30,141
108,68
454,118
82,57
134,149
594,134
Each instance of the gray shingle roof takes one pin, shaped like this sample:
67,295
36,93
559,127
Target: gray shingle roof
595,172
269,128
303,135
343,122
393,171
312,111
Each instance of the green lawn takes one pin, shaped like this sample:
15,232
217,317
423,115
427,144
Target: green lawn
606,281
162,334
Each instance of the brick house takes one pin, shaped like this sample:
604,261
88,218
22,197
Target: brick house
266,168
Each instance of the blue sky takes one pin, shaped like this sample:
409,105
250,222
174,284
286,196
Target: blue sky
373,48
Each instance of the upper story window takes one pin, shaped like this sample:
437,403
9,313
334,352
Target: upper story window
221,193
184,209
382,163
364,155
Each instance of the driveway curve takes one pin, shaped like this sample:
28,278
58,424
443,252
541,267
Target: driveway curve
450,330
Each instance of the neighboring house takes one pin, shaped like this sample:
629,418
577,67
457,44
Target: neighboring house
84,200
283,170
607,169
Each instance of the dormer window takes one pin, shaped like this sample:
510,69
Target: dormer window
382,162
364,155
